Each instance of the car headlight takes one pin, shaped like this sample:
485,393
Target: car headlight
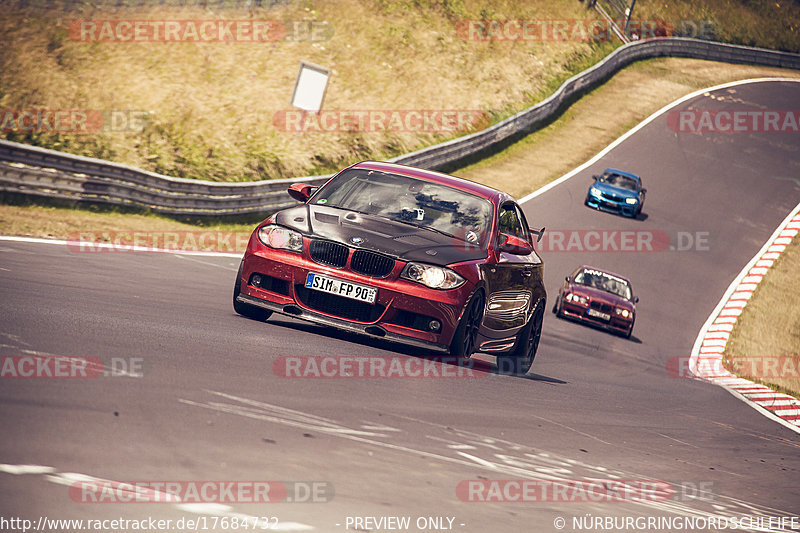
631,200
594,191
576,298
432,276
281,238
624,313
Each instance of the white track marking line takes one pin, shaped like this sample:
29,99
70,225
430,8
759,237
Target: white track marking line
19,470
193,260
70,479
109,246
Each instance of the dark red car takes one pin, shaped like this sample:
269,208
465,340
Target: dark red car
404,254
598,297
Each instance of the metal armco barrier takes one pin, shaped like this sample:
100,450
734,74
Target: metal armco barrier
34,171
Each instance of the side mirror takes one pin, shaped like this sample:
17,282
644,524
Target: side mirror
644,191
514,245
636,299
301,191
595,178
538,233
566,278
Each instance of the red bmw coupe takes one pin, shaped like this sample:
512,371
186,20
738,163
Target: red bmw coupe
598,297
405,254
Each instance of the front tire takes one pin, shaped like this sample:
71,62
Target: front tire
557,308
465,338
520,360
250,311
630,331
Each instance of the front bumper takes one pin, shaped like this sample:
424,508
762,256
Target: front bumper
402,311
354,327
579,313
610,206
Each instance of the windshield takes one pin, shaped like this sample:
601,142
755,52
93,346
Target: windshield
618,180
604,282
413,201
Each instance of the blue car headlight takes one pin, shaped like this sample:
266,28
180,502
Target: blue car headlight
631,201
594,191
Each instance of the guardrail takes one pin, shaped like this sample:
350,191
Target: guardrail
35,171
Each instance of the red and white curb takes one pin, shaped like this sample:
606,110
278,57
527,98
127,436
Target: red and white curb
706,359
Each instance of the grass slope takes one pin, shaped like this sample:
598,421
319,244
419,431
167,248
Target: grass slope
211,105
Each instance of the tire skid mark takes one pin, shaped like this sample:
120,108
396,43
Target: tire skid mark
495,455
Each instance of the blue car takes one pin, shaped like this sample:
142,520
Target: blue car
618,192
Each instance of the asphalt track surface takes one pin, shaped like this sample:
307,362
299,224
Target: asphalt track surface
594,406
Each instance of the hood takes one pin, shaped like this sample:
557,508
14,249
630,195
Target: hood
616,191
378,234
597,295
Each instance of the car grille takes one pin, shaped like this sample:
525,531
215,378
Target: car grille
329,253
338,306
371,264
612,197
598,306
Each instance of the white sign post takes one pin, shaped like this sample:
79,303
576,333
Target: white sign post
309,89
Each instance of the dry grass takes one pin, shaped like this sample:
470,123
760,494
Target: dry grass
768,330
771,24
115,227
211,105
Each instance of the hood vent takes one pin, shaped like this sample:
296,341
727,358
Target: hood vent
414,240
326,218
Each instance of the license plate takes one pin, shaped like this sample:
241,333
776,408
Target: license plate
323,283
598,314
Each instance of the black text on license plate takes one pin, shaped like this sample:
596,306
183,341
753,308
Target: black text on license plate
598,314
354,291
